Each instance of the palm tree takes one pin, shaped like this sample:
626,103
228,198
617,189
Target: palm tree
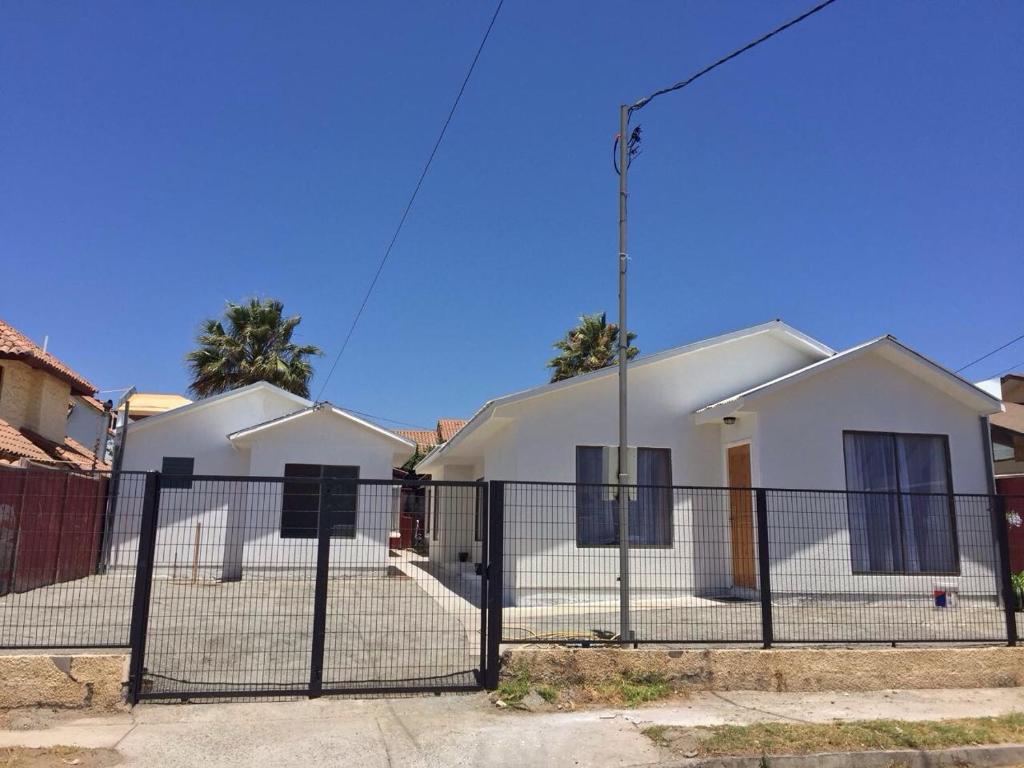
256,345
589,346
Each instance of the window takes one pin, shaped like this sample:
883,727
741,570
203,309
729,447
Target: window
650,503
895,527
176,472
300,506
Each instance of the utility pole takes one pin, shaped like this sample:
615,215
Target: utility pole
625,636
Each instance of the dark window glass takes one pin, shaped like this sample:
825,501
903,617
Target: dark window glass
300,507
900,512
597,509
176,472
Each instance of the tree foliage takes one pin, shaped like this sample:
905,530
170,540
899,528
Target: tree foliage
589,346
253,342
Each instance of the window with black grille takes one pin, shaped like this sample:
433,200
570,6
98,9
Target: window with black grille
176,472
300,506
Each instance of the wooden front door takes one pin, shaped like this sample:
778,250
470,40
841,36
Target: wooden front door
741,517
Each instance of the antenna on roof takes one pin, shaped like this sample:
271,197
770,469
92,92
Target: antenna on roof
46,342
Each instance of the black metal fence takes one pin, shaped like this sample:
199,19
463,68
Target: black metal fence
298,586
228,586
753,566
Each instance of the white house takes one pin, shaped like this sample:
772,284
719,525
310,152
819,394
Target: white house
257,435
767,407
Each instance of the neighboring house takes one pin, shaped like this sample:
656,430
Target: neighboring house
36,393
91,423
1008,429
428,439
259,431
142,405
767,406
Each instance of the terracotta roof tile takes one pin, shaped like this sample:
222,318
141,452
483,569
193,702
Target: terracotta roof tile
15,345
16,445
25,444
425,439
446,428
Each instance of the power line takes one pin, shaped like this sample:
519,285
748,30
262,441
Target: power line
989,354
683,83
381,418
412,198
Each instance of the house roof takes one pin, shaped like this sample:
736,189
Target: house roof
26,444
312,410
93,402
985,402
485,411
16,445
1012,418
148,404
446,428
198,405
425,439
14,345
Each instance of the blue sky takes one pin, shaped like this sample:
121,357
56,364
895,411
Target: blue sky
859,175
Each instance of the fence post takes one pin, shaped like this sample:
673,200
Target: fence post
143,585
1005,585
482,492
323,559
494,575
764,567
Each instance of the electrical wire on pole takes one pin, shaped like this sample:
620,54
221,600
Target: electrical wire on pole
627,147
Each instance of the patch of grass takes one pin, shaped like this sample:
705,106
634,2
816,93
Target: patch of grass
548,693
633,689
809,738
513,689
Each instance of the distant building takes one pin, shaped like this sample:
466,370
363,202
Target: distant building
37,395
142,405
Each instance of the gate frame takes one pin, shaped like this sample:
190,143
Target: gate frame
491,545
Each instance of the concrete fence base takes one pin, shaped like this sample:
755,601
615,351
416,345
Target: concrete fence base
791,669
67,681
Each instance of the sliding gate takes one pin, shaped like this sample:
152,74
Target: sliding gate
317,583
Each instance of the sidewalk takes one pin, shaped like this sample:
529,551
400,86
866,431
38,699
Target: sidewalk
462,730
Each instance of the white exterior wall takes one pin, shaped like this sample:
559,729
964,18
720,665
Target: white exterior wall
799,444
251,510
539,444
87,426
322,438
796,442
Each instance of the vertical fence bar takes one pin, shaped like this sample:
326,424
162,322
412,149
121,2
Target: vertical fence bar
1005,584
323,558
764,567
143,584
494,575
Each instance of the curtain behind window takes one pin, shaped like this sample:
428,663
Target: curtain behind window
923,467
899,530
650,511
650,516
875,536
596,521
